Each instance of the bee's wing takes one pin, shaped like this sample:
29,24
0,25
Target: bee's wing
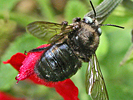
62,34
95,85
44,30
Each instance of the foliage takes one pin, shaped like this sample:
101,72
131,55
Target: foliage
113,46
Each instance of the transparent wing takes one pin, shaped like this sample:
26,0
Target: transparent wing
45,30
95,85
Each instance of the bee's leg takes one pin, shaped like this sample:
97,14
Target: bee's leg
25,52
64,24
77,19
36,50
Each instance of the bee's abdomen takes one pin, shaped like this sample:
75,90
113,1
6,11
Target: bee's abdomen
57,63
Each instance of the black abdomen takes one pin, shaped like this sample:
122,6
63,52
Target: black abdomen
57,63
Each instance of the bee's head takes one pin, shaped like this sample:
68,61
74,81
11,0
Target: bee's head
93,23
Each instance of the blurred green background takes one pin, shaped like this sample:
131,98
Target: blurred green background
114,43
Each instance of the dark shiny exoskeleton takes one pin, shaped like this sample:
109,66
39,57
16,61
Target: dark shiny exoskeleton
63,57
58,63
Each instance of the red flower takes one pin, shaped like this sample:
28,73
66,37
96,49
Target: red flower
5,96
25,65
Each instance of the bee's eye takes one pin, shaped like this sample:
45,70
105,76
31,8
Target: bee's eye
99,31
87,20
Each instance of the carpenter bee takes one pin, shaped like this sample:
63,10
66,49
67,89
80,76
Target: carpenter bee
70,45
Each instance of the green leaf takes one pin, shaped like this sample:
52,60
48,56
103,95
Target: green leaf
94,2
74,9
7,5
7,77
7,72
128,4
6,28
120,16
128,57
46,9
27,42
21,19
103,46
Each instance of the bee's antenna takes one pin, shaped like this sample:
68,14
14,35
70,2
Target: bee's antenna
93,9
111,25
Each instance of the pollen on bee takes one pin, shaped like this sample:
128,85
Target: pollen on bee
47,75
54,49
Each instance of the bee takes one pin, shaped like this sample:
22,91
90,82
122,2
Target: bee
70,45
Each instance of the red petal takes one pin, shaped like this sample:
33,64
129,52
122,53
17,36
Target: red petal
67,90
25,64
16,60
5,96
40,81
27,68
